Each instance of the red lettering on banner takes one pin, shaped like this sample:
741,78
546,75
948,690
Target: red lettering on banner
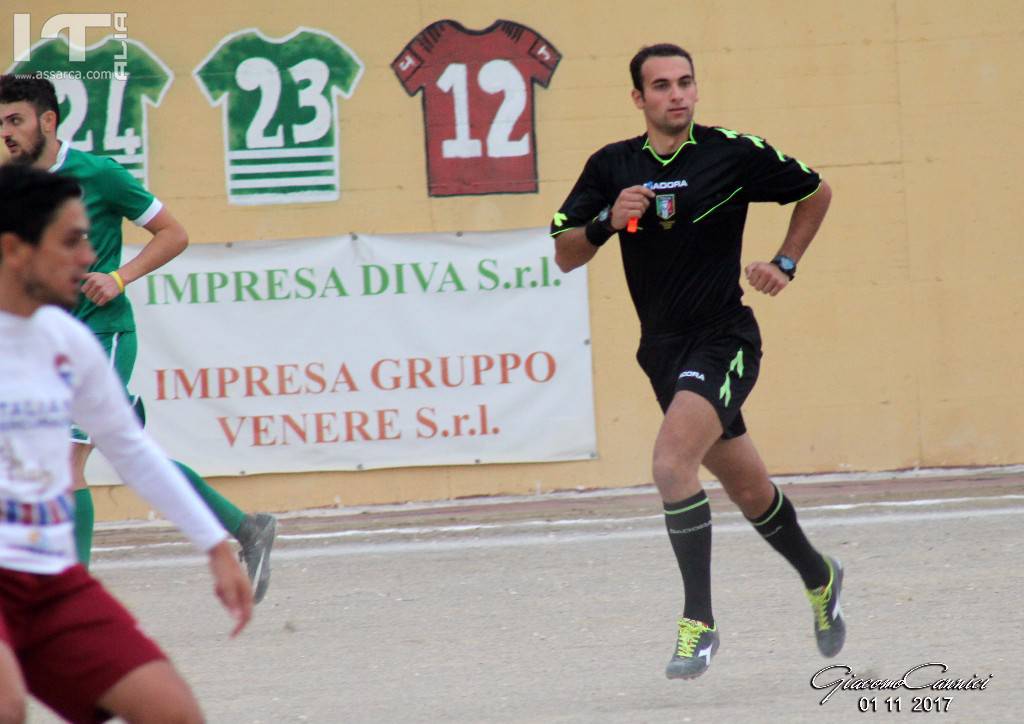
324,430
444,372
356,421
484,369
425,418
344,378
456,430
256,376
386,421
200,382
258,381
290,423
509,362
481,363
549,362
484,430
388,374
316,428
396,381
430,424
226,376
317,377
260,428
286,380
231,436
419,368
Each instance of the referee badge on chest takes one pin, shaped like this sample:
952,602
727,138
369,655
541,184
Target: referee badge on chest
665,207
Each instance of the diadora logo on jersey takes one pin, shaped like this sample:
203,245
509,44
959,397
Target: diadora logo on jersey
665,185
692,373
62,364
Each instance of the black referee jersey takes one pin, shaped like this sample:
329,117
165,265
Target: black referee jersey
683,263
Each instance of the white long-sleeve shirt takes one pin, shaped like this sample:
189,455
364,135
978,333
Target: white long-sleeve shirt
53,372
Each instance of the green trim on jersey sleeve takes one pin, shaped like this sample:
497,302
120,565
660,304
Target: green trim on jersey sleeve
810,194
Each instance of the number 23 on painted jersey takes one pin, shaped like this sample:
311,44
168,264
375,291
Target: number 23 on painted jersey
280,112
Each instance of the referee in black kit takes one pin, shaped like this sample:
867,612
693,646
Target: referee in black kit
677,197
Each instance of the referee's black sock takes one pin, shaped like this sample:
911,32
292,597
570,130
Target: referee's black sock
689,531
780,528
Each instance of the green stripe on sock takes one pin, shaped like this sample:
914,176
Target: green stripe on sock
226,511
677,511
776,510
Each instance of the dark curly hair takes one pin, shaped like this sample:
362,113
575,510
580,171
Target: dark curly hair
37,91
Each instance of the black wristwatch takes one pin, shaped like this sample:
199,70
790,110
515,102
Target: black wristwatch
787,265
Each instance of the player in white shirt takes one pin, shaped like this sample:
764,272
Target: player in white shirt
62,636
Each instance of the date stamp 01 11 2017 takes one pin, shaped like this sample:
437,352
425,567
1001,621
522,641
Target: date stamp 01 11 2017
927,686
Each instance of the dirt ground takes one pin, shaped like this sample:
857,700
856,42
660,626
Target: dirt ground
562,608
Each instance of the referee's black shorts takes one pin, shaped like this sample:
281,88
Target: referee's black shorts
719,362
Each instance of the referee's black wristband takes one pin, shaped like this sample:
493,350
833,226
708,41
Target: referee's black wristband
599,230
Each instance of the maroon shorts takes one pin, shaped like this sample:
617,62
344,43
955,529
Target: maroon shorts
73,640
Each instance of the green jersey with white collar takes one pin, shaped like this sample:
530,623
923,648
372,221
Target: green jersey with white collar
111,194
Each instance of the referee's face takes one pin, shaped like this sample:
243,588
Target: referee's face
669,95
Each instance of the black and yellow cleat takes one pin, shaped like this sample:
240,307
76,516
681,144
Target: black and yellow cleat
829,626
695,646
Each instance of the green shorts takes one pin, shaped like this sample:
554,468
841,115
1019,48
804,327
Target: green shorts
122,348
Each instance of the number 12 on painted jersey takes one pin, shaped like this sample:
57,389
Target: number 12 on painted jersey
478,104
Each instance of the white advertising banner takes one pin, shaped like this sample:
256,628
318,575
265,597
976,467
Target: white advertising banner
356,352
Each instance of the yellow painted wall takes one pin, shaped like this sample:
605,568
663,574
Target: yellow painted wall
896,347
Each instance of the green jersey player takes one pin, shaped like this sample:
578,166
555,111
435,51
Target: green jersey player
29,116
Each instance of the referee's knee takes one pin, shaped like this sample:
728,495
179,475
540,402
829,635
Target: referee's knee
752,496
674,473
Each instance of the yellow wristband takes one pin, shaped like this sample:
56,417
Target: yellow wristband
119,280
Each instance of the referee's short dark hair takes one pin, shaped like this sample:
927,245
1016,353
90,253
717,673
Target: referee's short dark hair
30,198
660,50
36,90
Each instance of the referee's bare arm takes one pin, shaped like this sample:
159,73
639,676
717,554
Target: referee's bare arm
805,221
803,226
573,249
